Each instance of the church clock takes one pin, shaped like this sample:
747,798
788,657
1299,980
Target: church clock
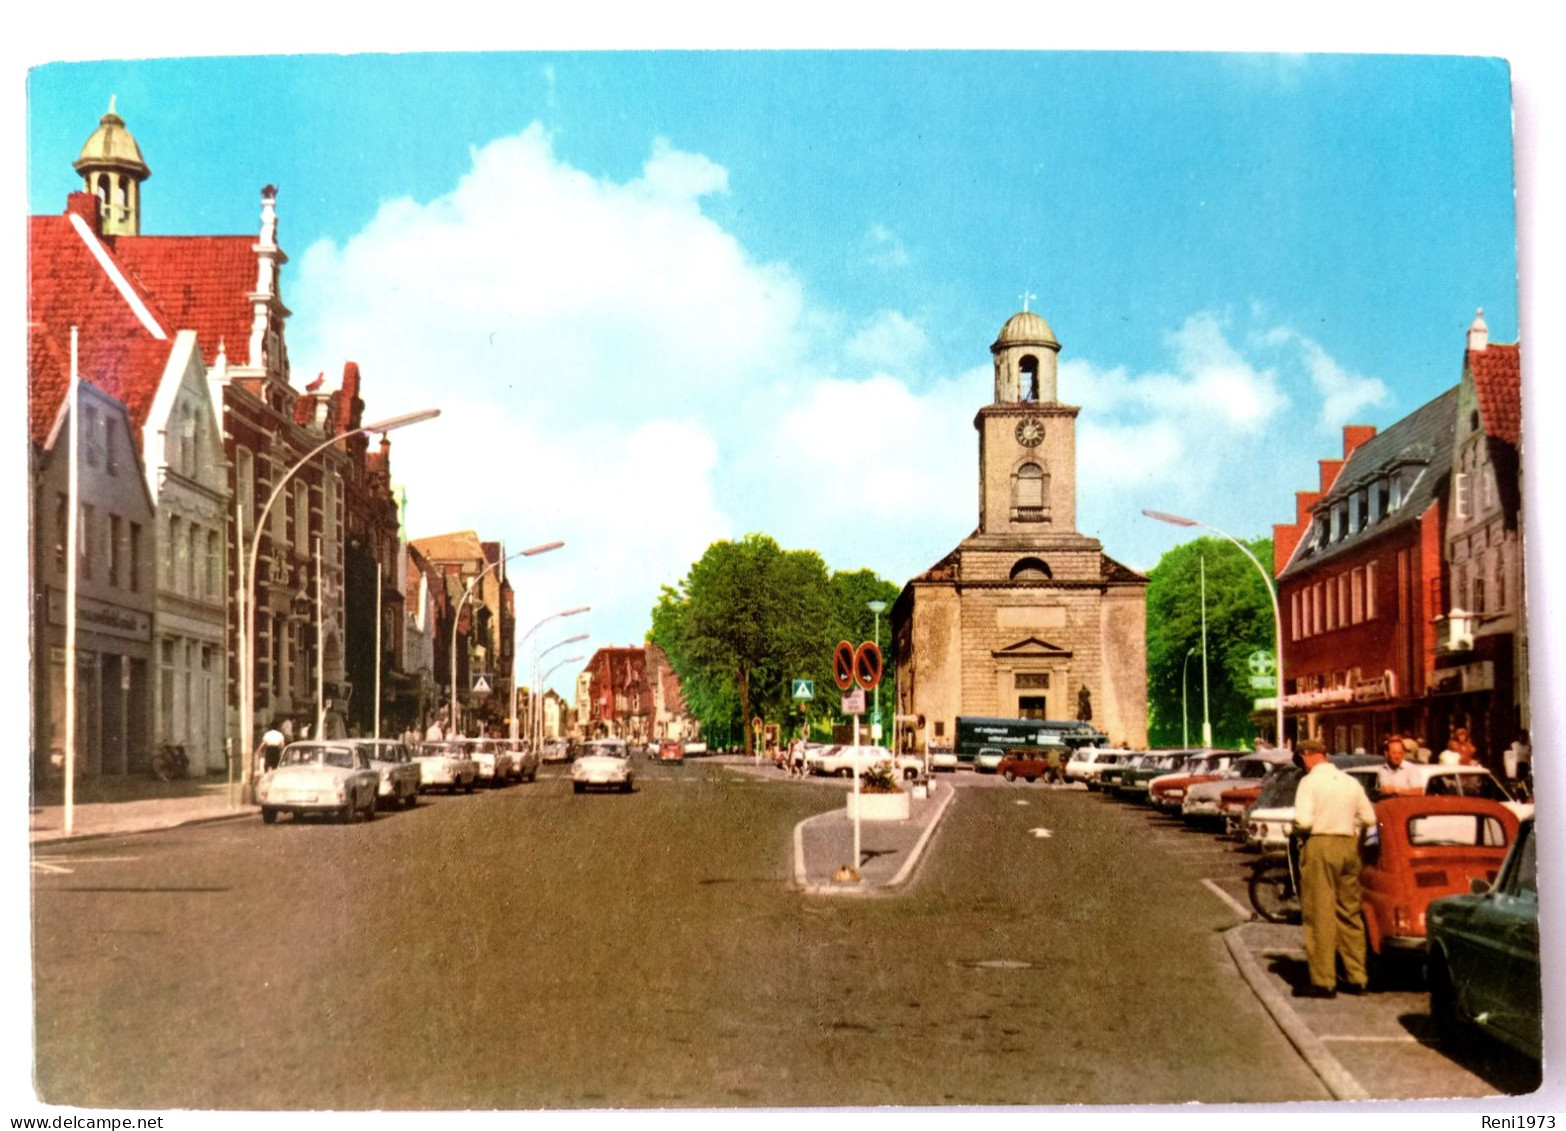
1030,432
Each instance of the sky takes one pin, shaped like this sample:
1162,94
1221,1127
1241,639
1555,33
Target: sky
668,298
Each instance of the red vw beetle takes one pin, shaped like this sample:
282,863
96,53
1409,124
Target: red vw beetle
1422,848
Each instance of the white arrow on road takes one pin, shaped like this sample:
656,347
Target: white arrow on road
1041,834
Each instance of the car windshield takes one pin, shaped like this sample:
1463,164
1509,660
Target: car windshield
383,752
318,756
1278,790
1250,768
1466,785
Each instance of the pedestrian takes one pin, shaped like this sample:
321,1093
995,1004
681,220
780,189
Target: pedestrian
1518,762
270,751
1398,774
1330,811
1466,751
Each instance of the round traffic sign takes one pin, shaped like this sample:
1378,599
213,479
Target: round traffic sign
867,665
843,665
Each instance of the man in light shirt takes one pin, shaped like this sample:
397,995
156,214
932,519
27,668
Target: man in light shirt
1331,809
1398,775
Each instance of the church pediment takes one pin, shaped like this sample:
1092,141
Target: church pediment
1032,648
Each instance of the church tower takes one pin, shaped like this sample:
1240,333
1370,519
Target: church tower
1027,617
112,170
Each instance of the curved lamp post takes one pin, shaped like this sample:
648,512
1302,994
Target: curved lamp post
1277,612
1185,712
537,711
533,669
456,618
247,584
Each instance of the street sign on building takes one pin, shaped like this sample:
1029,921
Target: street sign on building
481,685
804,688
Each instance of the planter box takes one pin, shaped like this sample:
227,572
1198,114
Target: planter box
880,806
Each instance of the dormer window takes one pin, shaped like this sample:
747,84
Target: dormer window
1377,501
1396,483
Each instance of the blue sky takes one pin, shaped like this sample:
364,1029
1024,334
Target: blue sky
670,297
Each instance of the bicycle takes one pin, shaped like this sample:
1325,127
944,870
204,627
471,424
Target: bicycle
1274,887
169,762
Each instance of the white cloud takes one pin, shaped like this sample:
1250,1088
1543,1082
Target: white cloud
888,339
1344,395
884,248
616,371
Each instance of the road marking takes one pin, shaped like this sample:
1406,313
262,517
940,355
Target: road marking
49,865
1239,909
1019,801
1041,834
1406,1039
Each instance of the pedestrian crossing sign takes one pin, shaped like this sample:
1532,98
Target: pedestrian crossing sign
481,685
804,688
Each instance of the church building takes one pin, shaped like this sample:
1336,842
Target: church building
1026,617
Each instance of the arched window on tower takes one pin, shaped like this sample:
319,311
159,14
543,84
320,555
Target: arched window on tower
1029,378
1031,569
1030,494
122,192
102,191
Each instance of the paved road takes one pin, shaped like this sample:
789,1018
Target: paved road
528,948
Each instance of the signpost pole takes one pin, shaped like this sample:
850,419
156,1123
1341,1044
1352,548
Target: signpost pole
858,856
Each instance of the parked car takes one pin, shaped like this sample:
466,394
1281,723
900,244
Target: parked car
493,759
988,759
838,761
941,759
695,749
1201,800
1423,848
671,750
1484,955
557,750
399,775
1468,781
1109,777
524,759
327,778
1168,791
1033,762
1136,783
445,765
605,763
1270,820
1089,763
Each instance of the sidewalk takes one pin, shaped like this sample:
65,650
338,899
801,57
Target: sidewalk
889,850
114,806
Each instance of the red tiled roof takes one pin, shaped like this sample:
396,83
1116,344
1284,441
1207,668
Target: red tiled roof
1497,373
116,351
202,283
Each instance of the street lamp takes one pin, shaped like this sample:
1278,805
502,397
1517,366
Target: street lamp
556,667
247,584
1185,712
876,607
537,710
533,670
1277,612
468,593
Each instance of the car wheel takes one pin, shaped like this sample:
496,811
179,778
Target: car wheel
578,787
369,810
471,783
268,814
1444,1010
348,814
1011,776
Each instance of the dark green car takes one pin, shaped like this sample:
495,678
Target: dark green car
1484,955
1134,782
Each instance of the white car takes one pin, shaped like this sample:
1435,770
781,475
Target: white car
943,760
1091,761
1467,781
492,758
988,759
838,761
329,778
524,763
445,765
399,784
606,764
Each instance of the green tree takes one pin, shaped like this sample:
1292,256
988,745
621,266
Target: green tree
745,617
1239,623
749,618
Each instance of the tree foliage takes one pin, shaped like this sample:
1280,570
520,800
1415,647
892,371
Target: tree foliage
751,617
1239,622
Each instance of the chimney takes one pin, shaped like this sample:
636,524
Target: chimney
85,205
1354,435
1478,333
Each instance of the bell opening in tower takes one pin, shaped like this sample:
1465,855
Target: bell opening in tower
1030,378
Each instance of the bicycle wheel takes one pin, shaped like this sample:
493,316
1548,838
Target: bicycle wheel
1272,893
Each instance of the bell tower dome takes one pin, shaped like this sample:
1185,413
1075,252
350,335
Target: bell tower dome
1025,352
112,170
